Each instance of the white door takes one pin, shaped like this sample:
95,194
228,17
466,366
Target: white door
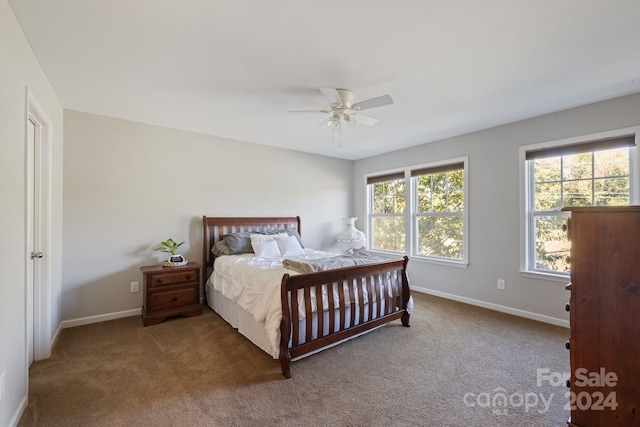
38,230
38,213
31,136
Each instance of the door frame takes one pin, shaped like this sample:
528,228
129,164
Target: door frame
40,319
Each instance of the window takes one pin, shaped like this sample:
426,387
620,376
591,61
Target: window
591,173
387,209
425,219
439,197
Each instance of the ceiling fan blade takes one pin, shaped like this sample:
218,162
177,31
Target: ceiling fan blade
378,101
365,120
332,96
308,111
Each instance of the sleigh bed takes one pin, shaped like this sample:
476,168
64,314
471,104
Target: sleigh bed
289,314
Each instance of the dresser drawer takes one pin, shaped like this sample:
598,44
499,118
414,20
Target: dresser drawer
171,299
179,277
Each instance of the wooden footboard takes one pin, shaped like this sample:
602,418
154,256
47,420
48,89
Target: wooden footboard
368,296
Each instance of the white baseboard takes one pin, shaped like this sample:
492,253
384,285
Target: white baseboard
496,307
55,336
18,413
99,318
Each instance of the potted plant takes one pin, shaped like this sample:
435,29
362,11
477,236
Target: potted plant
170,246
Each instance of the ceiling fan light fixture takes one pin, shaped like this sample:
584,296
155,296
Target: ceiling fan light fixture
349,120
334,122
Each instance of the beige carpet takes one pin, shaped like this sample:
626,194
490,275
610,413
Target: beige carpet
449,369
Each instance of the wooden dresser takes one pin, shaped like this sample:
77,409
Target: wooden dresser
170,292
604,316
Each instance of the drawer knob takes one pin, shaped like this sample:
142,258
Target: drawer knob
174,299
188,277
160,280
567,307
567,345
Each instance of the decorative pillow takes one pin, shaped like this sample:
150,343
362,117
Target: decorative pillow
289,231
266,249
293,232
238,243
260,237
289,246
220,248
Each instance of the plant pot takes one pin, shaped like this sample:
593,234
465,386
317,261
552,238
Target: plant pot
176,260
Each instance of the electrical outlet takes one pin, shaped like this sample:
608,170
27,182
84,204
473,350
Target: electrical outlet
501,284
2,386
135,286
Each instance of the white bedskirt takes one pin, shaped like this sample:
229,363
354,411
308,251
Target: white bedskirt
246,324
240,319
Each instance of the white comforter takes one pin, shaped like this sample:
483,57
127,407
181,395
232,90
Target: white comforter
254,284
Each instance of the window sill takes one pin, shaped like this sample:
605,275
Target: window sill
560,278
441,261
418,258
390,255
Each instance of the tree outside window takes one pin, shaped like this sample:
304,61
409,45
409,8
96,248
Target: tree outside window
439,212
387,214
597,177
425,204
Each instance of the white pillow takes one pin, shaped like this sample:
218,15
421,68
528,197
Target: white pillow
265,237
289,246
268,249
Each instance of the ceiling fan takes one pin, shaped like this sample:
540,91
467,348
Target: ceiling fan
344,113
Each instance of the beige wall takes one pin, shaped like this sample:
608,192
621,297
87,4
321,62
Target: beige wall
130,185
494,210
20,70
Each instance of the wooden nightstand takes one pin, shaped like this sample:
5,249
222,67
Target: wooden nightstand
170,291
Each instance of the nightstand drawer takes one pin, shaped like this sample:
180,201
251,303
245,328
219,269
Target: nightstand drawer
181,277
167,300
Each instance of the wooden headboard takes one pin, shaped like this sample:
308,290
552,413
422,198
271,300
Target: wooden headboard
215,228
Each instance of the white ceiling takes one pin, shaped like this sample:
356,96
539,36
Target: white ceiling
233,68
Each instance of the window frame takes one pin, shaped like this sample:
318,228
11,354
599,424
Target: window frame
411,214
527,240
379,177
